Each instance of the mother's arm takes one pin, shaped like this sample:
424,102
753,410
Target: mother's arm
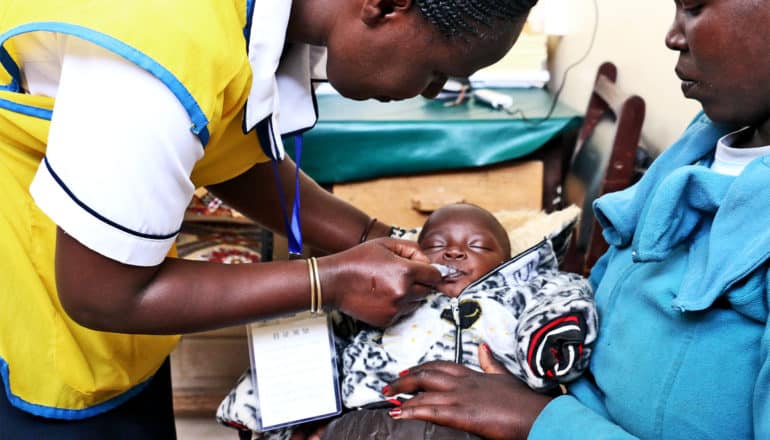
761,400
496,406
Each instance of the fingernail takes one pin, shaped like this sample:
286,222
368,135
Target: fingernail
386,389
395,413
485,347
395,402
403,373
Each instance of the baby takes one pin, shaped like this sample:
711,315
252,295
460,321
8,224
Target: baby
537,320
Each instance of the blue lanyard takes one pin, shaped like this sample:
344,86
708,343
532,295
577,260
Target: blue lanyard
293,227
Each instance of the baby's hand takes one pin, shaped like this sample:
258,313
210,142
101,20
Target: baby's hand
488,362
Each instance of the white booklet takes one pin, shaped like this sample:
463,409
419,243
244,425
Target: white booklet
294,370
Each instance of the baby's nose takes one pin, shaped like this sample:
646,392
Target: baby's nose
454,253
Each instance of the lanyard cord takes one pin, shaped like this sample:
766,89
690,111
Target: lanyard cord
293,227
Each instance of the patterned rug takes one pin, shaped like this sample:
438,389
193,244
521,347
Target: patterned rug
214,232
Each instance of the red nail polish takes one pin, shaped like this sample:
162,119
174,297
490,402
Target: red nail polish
395,402
395,413
485,347
385,389
403,373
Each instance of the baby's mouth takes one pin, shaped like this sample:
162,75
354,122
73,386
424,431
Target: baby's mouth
449,273
457,274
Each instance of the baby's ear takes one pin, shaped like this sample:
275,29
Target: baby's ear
488,362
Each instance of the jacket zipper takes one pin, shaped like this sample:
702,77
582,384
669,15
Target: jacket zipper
455,304
615,292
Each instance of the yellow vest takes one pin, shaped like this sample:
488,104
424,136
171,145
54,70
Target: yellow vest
50,365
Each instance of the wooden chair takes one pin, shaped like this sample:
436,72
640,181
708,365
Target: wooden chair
602,162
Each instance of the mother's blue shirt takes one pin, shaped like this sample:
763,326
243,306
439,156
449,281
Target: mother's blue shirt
682,295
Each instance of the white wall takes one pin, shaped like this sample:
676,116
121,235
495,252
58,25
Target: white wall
631,34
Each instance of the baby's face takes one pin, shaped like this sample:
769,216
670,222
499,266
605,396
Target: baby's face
465,238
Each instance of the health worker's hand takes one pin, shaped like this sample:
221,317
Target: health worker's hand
495,404
377,281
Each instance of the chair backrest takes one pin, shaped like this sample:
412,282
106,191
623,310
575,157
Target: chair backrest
602,162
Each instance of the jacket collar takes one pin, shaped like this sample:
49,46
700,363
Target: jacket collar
521,268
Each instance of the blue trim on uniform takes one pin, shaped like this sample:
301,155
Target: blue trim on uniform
249,20
99,216
61,413
199,120
11,68
37,112
264,132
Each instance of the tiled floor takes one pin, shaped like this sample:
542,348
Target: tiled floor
202,428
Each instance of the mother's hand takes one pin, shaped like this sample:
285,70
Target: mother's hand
494,406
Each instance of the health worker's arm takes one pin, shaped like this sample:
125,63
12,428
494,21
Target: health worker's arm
375,282
116,181
328,222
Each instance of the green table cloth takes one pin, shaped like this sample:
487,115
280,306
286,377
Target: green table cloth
357,140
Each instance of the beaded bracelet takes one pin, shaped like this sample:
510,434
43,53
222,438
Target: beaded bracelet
365,234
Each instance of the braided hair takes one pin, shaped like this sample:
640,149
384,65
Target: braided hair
461,17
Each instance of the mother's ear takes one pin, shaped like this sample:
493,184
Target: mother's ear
374,12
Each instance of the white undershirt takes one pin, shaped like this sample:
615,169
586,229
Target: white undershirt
730,160
119,143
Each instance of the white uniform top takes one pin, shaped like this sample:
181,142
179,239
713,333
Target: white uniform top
118,191
122,192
